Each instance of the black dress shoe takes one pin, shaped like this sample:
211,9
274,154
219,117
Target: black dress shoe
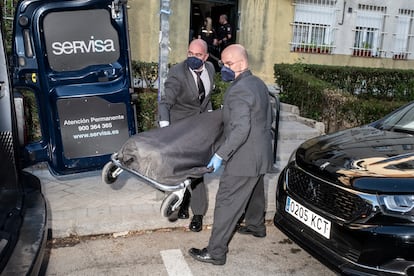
196,224
202,255
246,231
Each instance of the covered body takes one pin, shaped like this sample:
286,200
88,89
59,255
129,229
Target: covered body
172,154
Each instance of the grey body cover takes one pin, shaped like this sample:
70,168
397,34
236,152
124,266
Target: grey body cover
172,154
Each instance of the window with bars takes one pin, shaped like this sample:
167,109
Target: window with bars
313,30
403,34
369,31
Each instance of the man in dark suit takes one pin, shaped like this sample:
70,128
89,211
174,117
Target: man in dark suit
247,153
188,89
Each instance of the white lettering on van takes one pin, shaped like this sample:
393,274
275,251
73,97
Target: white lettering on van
83,47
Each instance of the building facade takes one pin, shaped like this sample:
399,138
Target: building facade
369,33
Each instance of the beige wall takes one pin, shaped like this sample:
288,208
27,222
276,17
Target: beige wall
345,60
144,26
265,31
259,36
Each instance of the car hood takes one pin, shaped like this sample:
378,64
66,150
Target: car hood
364,158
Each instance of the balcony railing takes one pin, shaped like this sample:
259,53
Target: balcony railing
367,52
312,48
400,56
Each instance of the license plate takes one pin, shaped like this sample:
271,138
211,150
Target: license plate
309,218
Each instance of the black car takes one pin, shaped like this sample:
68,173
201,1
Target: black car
348,197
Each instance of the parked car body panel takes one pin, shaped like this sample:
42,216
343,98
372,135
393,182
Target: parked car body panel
341,197
23,213
369,152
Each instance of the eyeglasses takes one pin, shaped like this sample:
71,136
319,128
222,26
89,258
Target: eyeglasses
198,55
227,64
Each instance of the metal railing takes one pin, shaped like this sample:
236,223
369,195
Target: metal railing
275,127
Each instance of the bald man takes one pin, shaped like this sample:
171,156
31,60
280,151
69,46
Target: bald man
246,153
182,99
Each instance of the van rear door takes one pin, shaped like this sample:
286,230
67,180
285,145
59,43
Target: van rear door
74,57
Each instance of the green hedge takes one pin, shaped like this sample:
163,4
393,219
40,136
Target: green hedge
301,89
146,107
334,95
379,83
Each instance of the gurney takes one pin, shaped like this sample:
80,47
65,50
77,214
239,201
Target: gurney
169,158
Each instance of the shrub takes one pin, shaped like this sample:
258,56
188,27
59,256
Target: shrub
147,110
219,90
147,72
343,97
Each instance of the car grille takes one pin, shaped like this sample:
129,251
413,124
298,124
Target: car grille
327,197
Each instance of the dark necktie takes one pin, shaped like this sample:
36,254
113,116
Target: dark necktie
201,90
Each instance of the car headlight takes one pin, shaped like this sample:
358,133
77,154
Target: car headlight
400,205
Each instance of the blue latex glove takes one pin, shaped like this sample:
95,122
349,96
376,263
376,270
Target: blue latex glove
215,162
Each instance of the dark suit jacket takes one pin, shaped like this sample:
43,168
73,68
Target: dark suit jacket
181,94
247,118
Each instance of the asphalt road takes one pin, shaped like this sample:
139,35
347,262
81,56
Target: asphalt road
164,252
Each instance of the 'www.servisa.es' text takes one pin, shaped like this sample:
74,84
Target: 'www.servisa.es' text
95,134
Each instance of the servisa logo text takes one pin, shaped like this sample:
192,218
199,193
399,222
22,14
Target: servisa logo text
83,47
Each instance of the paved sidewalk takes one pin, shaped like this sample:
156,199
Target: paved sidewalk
83,205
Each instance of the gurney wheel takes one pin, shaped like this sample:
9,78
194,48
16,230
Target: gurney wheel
107,173
168,204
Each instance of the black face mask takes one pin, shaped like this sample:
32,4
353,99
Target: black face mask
227,74
194,63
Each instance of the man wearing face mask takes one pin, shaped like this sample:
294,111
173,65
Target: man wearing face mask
247,153
188,89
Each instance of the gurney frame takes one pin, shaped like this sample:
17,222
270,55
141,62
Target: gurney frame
170,203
